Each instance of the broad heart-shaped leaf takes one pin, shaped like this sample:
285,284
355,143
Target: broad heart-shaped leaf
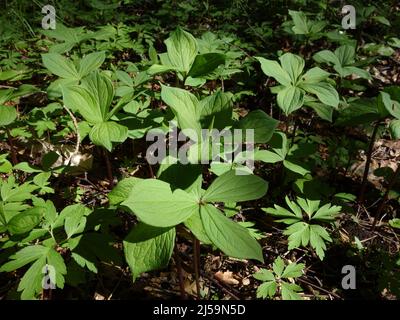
216,110
230,187
182,49
233,239
263,125
7,115
155,204
105,133
91,62
25,221
272,69
60,66
290,99
184,105
293,65
148,248
325,92
205,64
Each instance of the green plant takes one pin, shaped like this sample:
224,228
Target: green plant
303,220
280,280
160,209
296,86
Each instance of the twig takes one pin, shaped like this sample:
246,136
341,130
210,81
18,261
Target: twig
319,288
367,164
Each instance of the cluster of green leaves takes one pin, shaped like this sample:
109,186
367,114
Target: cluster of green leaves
160,208
298,88
303,222
280,280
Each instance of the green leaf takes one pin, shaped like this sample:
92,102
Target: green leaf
293,65
325,92
267,289
122,190
75,219
31,282
81,100
395,223
395,129
101,88
300,22
23,257
148,248
184,105
263,125
25,221
393,107
264,275
290,99
315,75
326,213
155,204
233,239
289,291
323,111
195,225
182,49
217,110
345,55
91,62
230,187
318,236
205,64
326,56
267,156
60,66
272,69
293,270
7,115
105,133
278,266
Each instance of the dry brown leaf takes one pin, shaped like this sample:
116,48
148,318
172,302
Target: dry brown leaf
226,277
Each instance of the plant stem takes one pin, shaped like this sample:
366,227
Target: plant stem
367,164
196,260
385,197
109,167
180,274
13,153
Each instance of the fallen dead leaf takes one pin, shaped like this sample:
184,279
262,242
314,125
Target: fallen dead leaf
226,277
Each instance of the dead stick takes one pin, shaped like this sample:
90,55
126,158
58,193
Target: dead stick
367,164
